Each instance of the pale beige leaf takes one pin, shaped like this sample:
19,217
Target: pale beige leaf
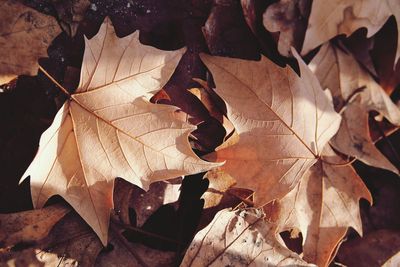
334,17
239,238
25,35
341,73
107,130
393,261
331,18
112,62
282,120
29,226
322,206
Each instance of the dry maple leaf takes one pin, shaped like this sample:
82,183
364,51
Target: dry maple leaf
25,35
283,121
239,238
107,129
341,73
334,17
322,206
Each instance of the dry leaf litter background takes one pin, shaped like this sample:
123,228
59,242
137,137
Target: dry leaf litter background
192,133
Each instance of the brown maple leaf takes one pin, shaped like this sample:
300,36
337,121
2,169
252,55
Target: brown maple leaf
290,19
25,35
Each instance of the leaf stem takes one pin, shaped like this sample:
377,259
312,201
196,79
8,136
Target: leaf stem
144,232
65,91
245,201
341,164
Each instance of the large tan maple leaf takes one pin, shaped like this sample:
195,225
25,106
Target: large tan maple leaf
108,129
283,122
334,17
322,206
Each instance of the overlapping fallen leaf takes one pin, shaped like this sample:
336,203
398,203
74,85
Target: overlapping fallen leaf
108,129
290,19
285,126
355,93
48,245
328,19
27,31
322,206
283,122
29,226
239,238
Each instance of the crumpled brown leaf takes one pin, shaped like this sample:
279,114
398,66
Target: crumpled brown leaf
29,226
290,19
239,238
70,14
26,31
226,32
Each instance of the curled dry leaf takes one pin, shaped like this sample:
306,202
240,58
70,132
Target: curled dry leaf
220,182
283,122
29,226
222,194
205,95
322,206
239,238
356,93
108,130
27,31
226,32
290,19
331,18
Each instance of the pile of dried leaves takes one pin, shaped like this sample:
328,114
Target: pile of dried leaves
197,133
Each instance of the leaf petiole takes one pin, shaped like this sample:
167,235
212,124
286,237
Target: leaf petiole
65,91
